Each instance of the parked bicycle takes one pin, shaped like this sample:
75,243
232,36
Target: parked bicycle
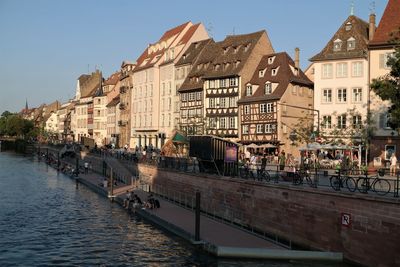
378,185
301,175
340,181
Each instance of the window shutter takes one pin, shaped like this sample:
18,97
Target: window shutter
381,61
382,120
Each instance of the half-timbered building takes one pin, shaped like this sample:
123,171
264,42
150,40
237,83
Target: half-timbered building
277,96
222,83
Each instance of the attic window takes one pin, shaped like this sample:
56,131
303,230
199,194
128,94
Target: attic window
268,88
274,71
351,43
235,49
348,26
271,60
237,63
184,56
246,47
249,90
225,50
216,67
337,45
261,73
196,45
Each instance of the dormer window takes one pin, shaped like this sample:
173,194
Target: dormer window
274,71
348,26
249,90
261,73
237,63
225,50
235,49
271,60
268,88
337,45
216,67
351,43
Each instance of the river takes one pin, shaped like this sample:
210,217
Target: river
46,221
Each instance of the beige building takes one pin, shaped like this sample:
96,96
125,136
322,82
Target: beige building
125,105
341,83
154,91
113,116
385,140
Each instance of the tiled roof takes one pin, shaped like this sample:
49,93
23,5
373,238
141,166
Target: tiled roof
236,49
114,101
389,25
189,33
358,30
283,63
170,33
202,65
192,53
113,79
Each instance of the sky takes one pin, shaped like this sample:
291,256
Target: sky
45,45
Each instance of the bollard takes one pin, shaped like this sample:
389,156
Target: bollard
197,217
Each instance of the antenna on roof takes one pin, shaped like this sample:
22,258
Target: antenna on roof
352,8
372,7
210,29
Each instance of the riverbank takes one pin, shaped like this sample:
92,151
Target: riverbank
216,237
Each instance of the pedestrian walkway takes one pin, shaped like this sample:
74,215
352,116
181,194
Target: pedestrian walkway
216,237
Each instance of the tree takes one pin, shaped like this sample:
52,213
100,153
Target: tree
387,87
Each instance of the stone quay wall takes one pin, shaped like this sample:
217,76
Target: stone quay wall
365,228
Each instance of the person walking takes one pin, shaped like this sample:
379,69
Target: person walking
282,161
393,164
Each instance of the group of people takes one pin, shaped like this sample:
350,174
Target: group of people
258,162
134,201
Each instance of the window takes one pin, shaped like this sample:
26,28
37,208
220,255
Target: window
269,128
247,109
222,123
270,107
260,128
163,89
348,26
337,45
213,122
357,69
326,95
384,119
389,150
192,96
295,89
341,123
268,88
383,60
184,97
261,73
274,71
357,122
198,96
211,84
222,83
245,129
232,102
169,87
232,123
211,102
249,90
232,82
222,102
357,95
342,95
326,71
327,122
351,44
341,70
263,108
271,60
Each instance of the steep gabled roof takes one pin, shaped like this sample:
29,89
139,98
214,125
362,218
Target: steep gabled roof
285,76
359,30
113,79
202,65
193,52
236,49
114,101
389,25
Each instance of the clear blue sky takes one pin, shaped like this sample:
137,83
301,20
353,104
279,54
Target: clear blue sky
45,45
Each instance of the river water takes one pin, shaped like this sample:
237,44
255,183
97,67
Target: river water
46,221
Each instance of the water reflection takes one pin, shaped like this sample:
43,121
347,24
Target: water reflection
46,221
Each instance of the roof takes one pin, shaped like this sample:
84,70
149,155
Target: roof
149,57
389,25
193,52
114,102
283,78
236,49
113,79
201,66
359,31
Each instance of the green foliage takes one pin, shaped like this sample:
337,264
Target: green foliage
388,88
14,125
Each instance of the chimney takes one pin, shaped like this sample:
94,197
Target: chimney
296,57
372,26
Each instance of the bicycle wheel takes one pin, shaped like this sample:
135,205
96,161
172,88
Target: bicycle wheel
297,179
351,184
363,185
335,182
381,186
265,176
